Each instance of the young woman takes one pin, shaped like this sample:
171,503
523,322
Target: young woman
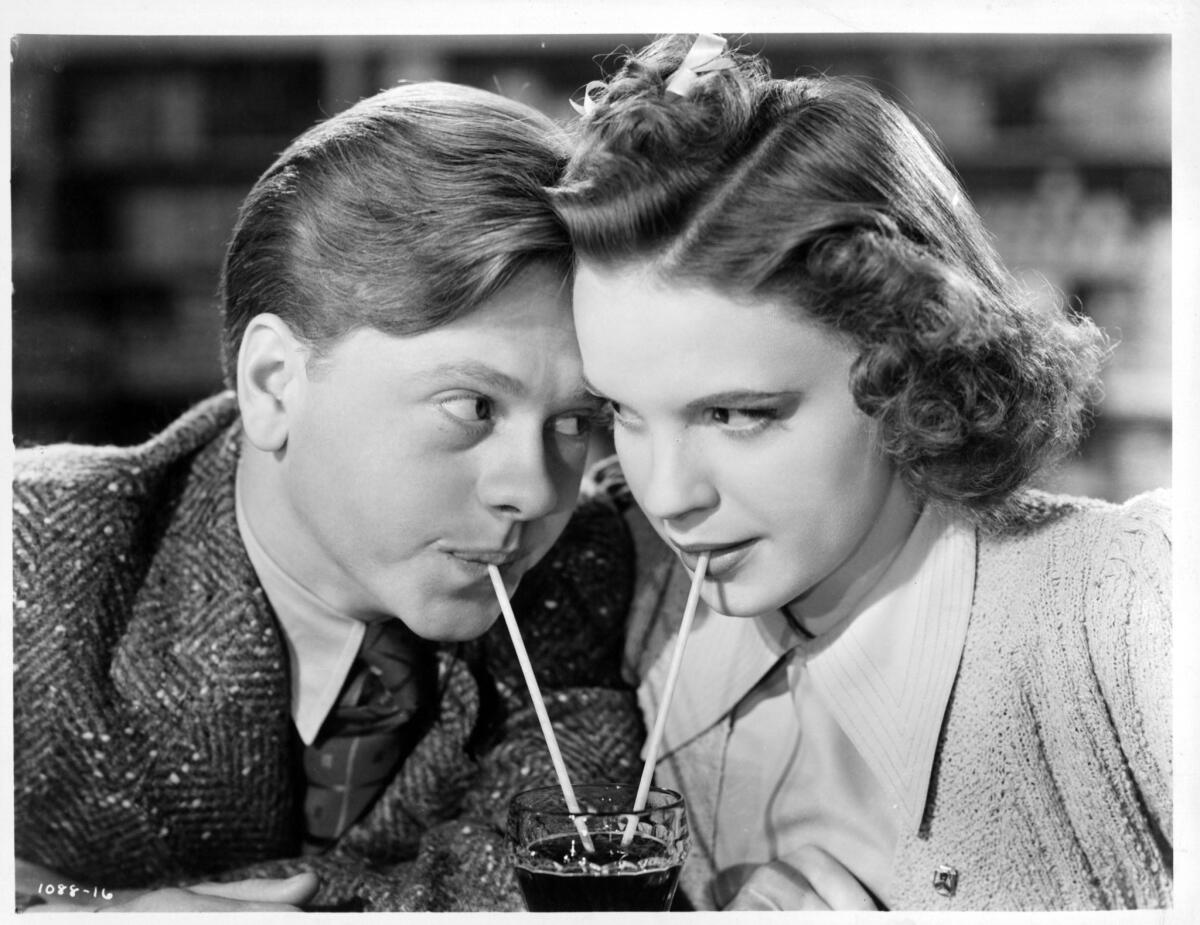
914,682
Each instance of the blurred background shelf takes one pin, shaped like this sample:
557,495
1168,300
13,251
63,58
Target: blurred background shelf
131,154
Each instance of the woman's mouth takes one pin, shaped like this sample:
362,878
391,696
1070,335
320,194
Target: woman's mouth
723,557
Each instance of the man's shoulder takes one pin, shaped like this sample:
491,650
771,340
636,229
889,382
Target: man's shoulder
594,546
590,566
572,605
81,506
67,470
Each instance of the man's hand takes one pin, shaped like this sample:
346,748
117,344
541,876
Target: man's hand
807,879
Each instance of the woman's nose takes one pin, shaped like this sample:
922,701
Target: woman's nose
677,483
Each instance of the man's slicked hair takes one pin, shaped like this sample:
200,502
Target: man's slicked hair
400,214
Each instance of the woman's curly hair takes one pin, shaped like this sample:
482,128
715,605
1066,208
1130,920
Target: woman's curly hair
821,194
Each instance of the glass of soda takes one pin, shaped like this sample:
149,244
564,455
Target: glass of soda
557,872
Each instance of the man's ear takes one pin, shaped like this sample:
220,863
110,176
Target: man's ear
270,380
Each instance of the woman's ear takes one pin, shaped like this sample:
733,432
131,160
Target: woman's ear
270,378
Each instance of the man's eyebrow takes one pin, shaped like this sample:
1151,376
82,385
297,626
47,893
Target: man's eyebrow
493,380
479,373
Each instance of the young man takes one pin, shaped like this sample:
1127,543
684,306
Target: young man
215,630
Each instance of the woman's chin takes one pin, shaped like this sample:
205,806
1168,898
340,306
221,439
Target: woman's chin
737,599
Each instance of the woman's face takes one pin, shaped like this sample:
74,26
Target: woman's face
738,434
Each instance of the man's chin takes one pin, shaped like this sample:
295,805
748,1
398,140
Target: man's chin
462,624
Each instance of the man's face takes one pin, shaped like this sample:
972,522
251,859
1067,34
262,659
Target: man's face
413,462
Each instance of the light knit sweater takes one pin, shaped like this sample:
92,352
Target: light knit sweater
1051,785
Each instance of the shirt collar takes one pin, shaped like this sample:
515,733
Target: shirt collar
322,643
886,674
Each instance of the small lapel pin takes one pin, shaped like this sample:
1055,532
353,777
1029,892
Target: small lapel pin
945,880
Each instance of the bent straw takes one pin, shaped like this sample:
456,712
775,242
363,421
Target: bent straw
539,707
660,721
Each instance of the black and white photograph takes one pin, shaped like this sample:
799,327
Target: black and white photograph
498,461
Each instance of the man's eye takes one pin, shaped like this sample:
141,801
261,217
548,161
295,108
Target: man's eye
574,425
618,414
469,408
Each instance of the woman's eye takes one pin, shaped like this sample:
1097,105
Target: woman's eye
469,408
742,418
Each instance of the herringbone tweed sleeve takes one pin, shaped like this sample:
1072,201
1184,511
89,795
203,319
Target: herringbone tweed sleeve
435,840
150,692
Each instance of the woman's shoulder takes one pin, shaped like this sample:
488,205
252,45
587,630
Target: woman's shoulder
1035,516
1102,562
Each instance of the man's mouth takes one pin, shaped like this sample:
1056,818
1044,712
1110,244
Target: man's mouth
490,555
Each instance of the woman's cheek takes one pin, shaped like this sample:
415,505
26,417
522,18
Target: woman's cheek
634,454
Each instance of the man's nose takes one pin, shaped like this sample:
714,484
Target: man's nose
522,477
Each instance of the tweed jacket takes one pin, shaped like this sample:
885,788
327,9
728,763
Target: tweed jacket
153,742
1051,786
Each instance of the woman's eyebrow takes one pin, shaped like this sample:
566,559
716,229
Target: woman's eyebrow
736,397
718,399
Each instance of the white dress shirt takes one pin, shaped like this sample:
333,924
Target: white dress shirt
322,643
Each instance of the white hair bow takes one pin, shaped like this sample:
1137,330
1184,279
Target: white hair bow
706,54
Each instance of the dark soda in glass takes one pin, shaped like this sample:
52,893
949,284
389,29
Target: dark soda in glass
558,872
560,876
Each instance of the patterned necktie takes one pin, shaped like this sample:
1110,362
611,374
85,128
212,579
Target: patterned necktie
371,729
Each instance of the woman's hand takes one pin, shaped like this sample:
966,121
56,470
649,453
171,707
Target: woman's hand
807,879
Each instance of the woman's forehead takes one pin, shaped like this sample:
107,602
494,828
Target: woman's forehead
640,335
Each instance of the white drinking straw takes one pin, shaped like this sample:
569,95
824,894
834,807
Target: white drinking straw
660,721
539,707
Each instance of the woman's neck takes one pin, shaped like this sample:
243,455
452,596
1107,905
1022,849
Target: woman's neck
829,602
